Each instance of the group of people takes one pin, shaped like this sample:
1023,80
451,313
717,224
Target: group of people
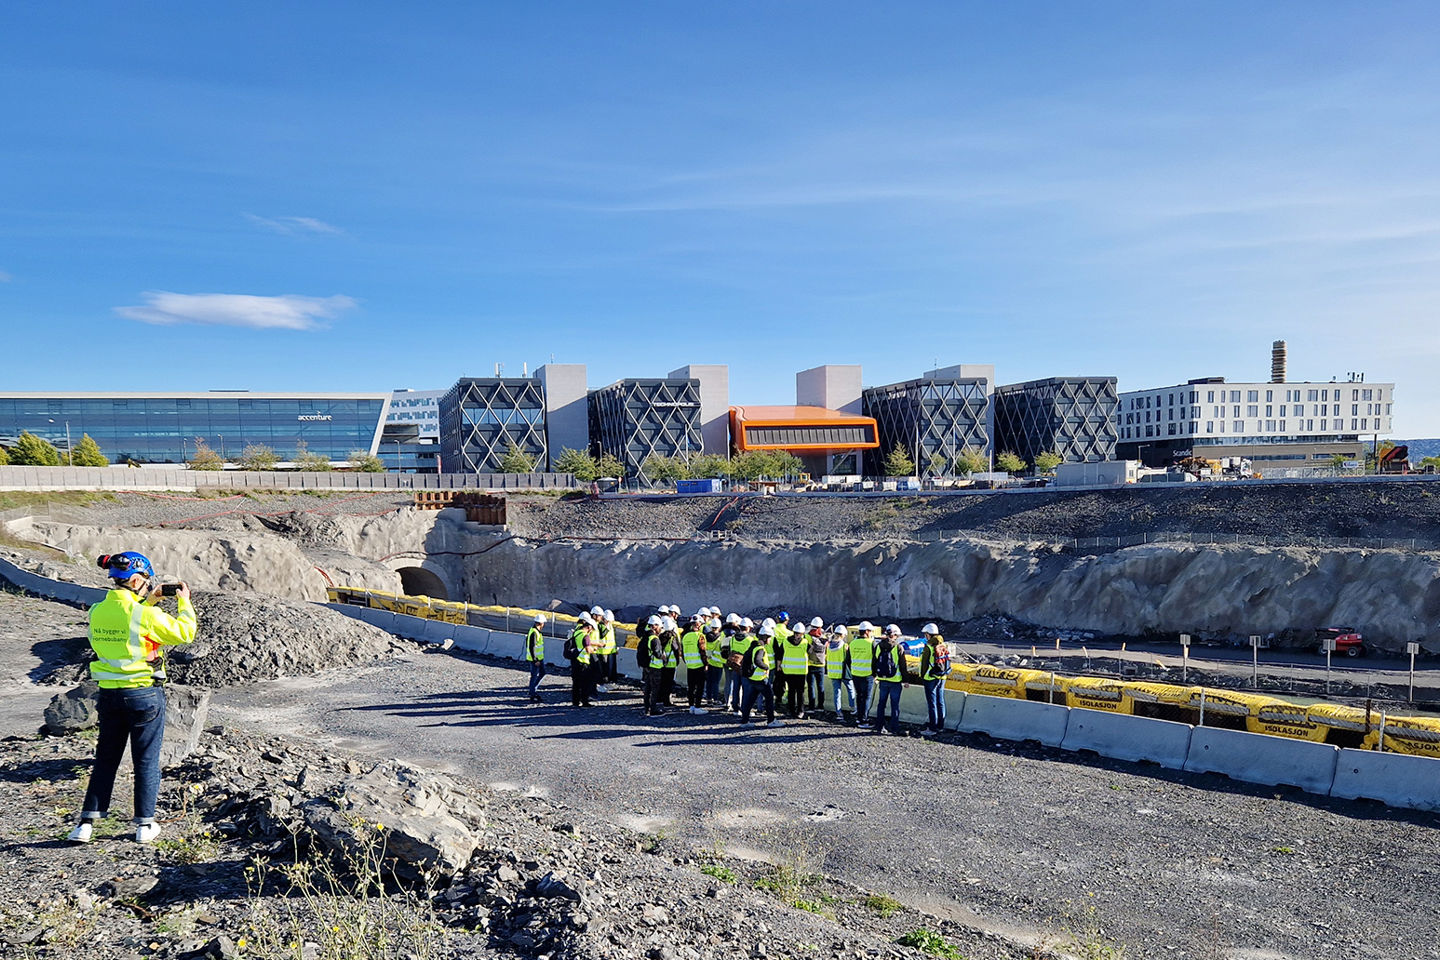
745,669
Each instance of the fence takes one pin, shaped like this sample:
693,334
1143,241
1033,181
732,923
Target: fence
1095,545
144,478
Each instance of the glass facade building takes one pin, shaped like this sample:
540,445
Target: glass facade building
1076,417
934,421
163,427
633,420
411,440
481,418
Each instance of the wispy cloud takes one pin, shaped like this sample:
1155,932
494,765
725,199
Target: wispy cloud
292,226
288,312
5,277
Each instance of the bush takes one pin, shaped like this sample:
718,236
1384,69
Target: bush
363,461
309,462
579,465
609,466
205,457
257,456
31,451
898,463
661,469
1010,463
970,461
87,454
4,457
1047,462
707,466
517,461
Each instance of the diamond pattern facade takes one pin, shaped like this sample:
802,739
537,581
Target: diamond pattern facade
633,419
1077,417
929,417
480,418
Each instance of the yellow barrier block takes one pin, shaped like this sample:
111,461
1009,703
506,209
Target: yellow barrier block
1001,682
1417,736
1097,693
1290,720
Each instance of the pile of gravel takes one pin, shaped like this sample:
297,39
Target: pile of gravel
246,637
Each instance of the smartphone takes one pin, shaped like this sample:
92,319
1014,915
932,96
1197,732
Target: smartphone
169,589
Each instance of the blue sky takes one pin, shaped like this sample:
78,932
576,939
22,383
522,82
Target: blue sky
365,196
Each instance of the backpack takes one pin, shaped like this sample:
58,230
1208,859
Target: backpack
940,660
885,667
571,651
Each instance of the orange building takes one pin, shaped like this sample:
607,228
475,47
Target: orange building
819,436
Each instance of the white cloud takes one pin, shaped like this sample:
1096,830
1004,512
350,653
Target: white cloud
290,226
5,277
288,312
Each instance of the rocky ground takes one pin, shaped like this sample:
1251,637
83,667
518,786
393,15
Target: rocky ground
1299,513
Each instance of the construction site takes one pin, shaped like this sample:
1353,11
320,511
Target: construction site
1101,786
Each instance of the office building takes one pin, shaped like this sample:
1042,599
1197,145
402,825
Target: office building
163,427
410,442
481,418
1071,416
934,418
826,441
633,420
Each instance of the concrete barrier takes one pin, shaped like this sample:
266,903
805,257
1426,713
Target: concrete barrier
1008,719
912,704
508,645
1257,758
411,628
384,619
1391,778
347,610
438,631
1124,737
473,639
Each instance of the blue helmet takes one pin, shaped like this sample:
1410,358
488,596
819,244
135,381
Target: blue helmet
123,566
784,616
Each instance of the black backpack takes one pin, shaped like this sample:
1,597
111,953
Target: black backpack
885,667
571,650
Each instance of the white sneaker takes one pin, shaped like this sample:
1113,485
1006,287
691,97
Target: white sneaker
147,832
929,733
82,833
773,723
698,710
602,688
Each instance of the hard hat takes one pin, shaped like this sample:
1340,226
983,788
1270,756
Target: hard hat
767,622
654,620
929,628
765,631
610,615
668,623
540,618
586,618
893,630
865,626
817,622
732,618
597,611
840,630
784,616
123,566
747,623
714,624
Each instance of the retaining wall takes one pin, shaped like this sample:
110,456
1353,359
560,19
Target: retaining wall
160,478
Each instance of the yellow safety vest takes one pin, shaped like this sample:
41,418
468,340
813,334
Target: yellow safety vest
534,644
714,650
690,644
582,654
782,632
862,656
930,672
794,660
127,634
670,658
835,662
761,664
607,638
741,644
898,652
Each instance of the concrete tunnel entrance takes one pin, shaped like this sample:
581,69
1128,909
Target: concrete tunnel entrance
419,582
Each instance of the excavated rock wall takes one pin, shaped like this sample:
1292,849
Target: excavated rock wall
1392,597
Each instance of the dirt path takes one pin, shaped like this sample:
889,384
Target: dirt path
997,835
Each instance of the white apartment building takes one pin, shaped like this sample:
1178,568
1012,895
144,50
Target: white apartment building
1213,411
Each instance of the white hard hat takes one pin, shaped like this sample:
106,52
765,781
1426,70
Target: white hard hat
767,622
929,628
540,618
713,624
654,620
817,622
765,631
610,615
597,611
586,618
668,623
732,618
747,622
893,630
865,626
840,630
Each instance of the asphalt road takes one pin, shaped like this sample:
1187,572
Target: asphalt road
1004,837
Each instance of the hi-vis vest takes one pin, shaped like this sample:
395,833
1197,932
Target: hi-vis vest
862,656
782,632
897,653
127,635
690,644
835,661
714,652
672,659
932,671
761,663
534,644
582,653
793,659
607,638
741,644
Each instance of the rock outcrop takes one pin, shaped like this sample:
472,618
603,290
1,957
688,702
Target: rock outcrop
186,710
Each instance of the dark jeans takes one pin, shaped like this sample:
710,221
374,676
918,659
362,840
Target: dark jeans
537,673
136,716
612,667
794,693
888,693
667,686
862,699
695,684
654,686
935,702
760,689
735,686
713,677
815,687
581,681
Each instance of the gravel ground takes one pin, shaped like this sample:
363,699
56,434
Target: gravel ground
995,836
166,509
1301,513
